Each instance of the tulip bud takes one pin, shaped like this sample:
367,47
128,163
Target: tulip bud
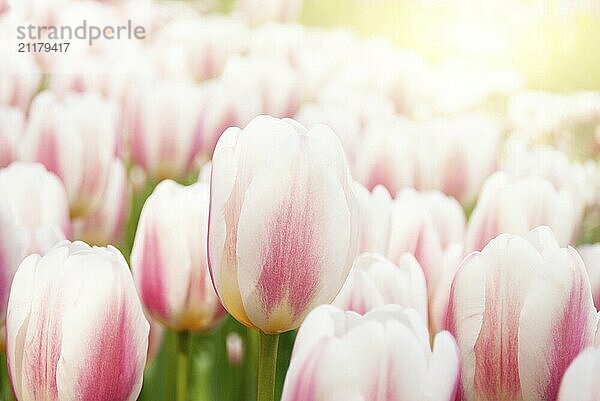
76,139
591,259
386,156
34,215
105,225
283,226
198,46
168,258
165,133
235,348
554,166
427,224
383,355
580,381
375,218
375,281
75,327
515,206
507,304
11,130
457,155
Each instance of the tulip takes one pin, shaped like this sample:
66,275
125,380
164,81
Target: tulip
375,281
259,12
428,224
283,226
383,355
75,327
198,47
375,218
11,129
34,215
169,262
165,135
456,155
20,76
515,206
555,167
507,304
235,348
76,139
580,381
386,155
106,224
591,258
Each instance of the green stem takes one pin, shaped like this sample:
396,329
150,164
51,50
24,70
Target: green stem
183,365
267,366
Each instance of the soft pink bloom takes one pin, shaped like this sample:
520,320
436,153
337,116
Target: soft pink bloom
259,12
554,166
166,135
521,311
11,130
427,224
198,46
591,258
456,155
75,327
384,355
168,258
386,156
20,76
106,224
76,139
515,206
580,381
235,348
283,222
375,281
34,215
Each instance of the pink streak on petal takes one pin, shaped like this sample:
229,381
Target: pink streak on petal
47,152
450,325
381,175
112,363
497,346
305,384
42,354
455,175
569,336
290,266
152,289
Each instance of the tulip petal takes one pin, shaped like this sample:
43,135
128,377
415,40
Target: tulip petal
102,359
557,322
580,381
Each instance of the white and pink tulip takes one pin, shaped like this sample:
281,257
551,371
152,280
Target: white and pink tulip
168,258
75,138
383,355
75,327
283,226
521,310
375,281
